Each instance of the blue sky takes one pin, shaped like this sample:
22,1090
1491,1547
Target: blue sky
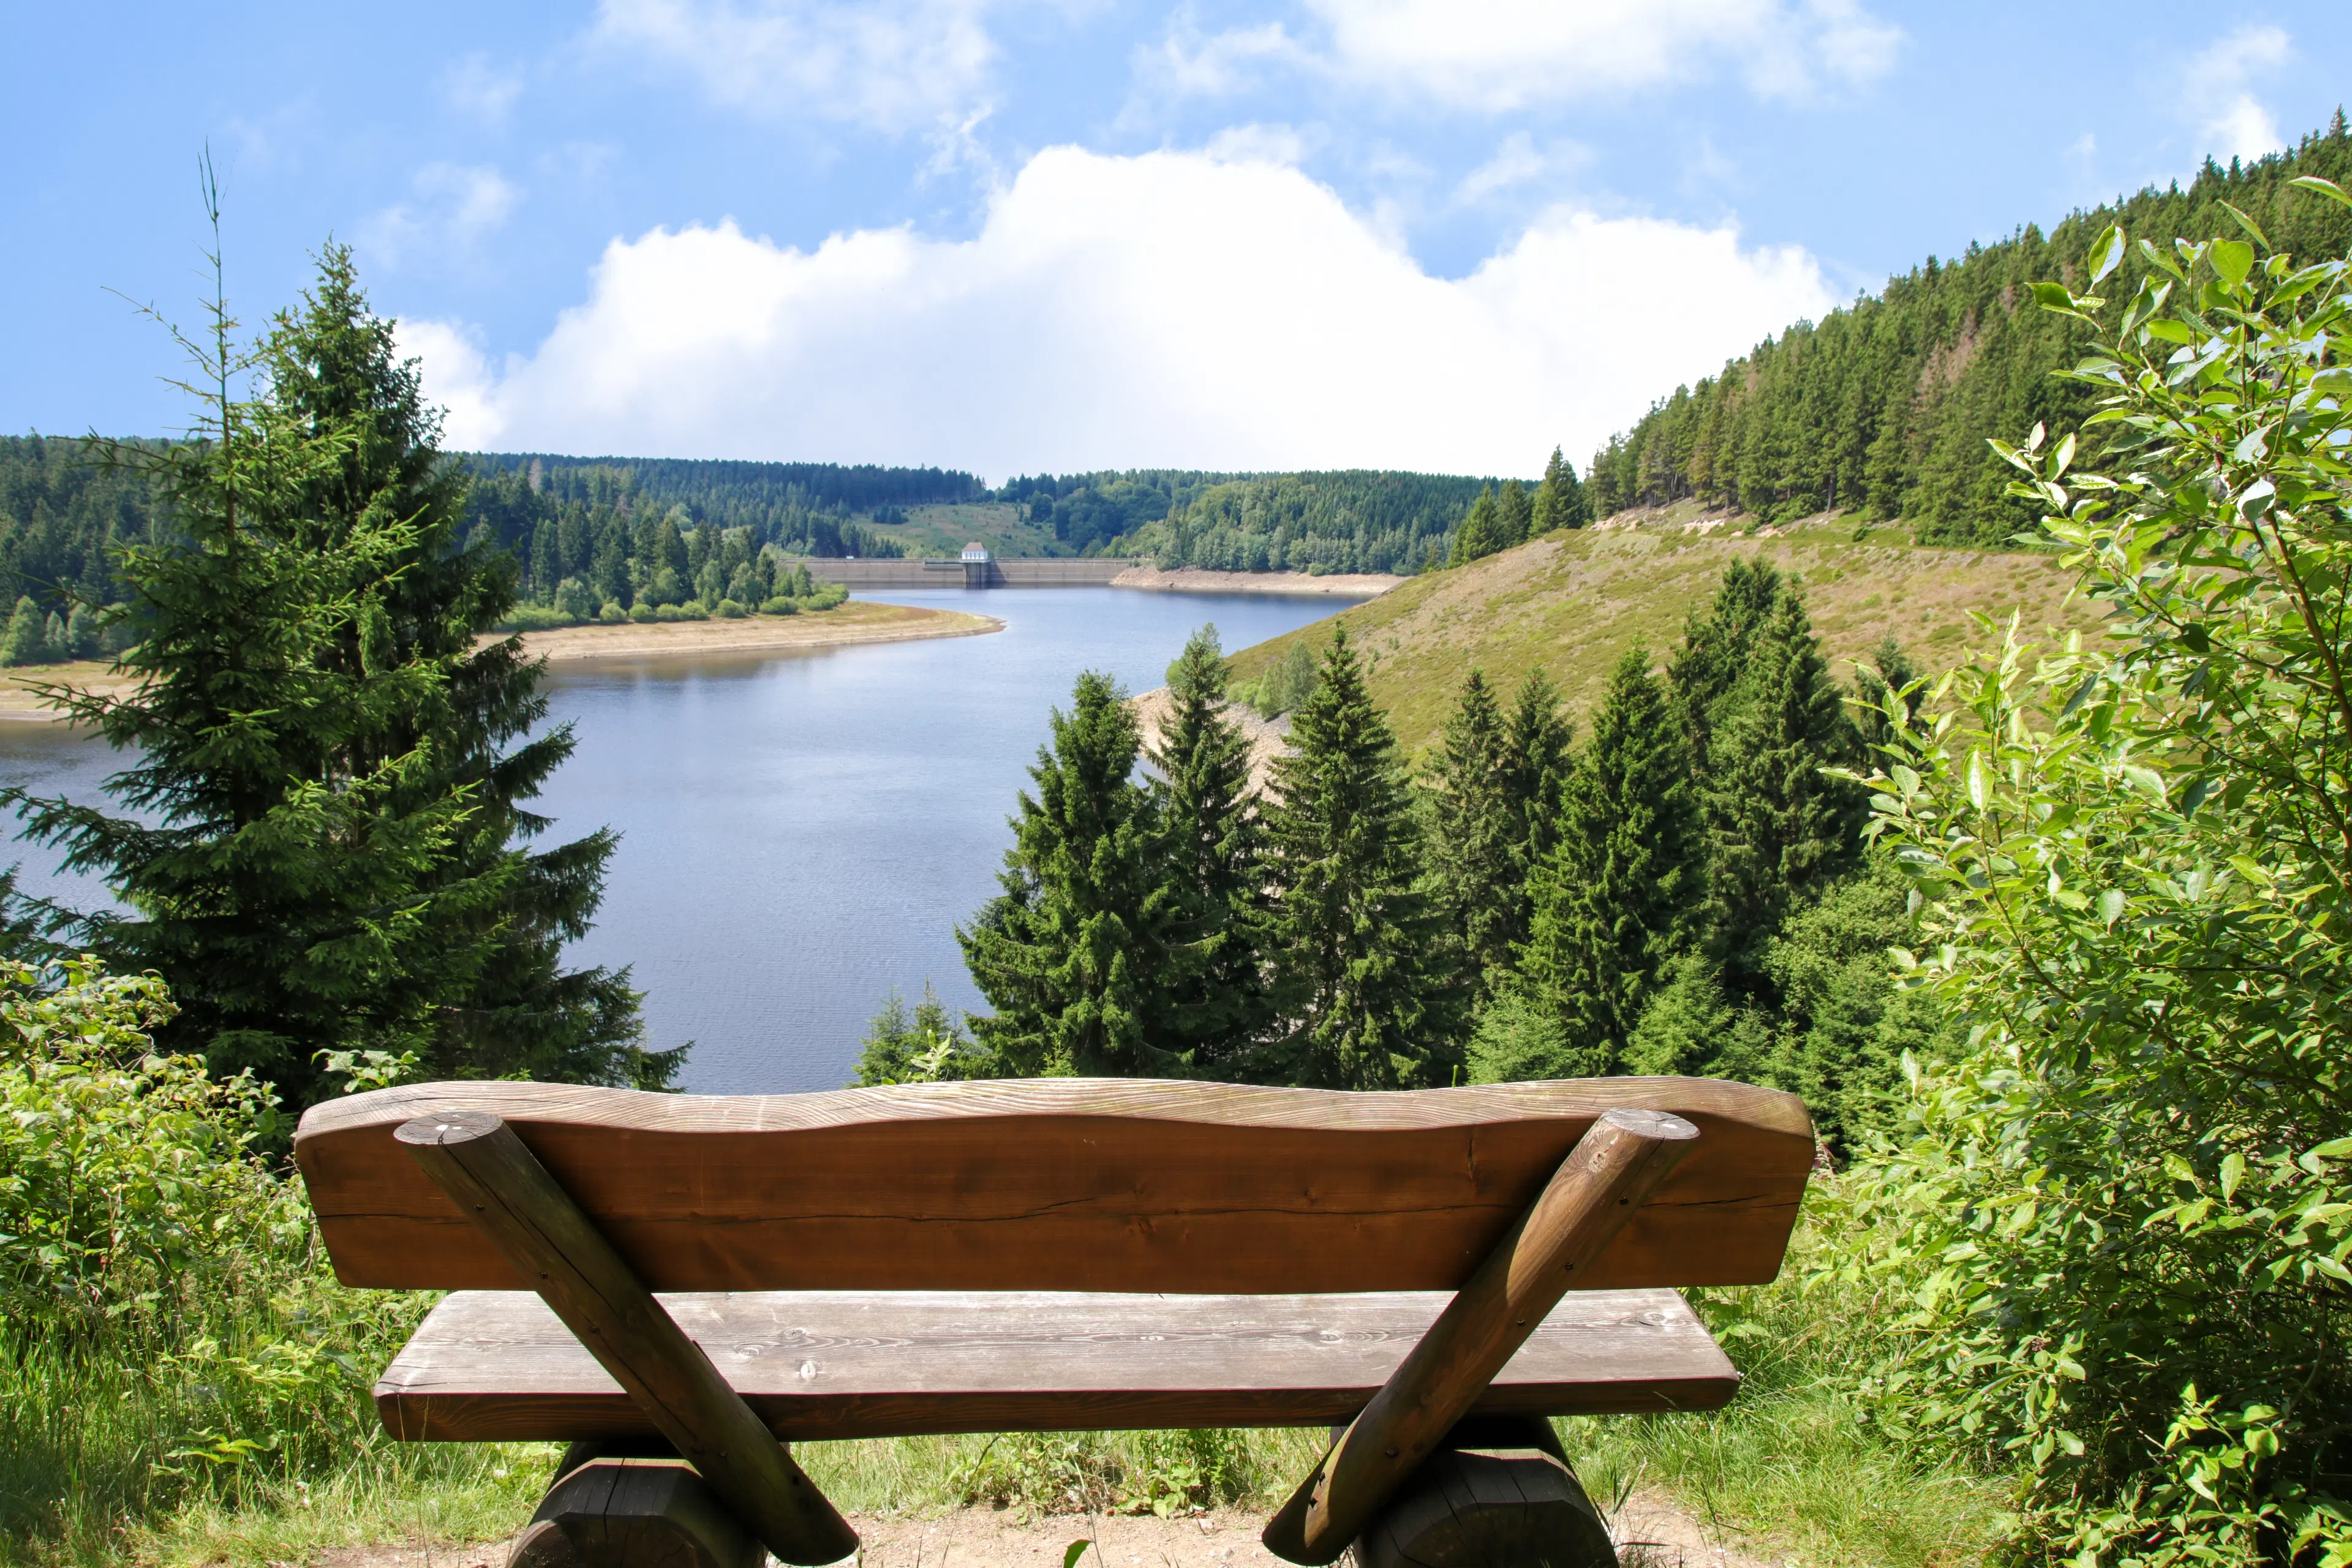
1018,235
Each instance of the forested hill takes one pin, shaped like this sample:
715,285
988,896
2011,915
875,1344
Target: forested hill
1355,519
1884,405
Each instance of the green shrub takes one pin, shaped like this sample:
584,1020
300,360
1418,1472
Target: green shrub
782,605
641,612
728,610
612,614
2120,1226
534,618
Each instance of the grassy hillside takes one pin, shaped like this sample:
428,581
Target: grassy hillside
1571,601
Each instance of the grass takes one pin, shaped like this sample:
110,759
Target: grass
1571,601
1792,1470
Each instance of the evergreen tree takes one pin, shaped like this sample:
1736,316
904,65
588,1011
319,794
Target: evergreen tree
322,854
1368,1005
1480,534
1073,954
924,1047
1477,837
1513,514
1616,893
1536,766
1552,504
1717,649
1779,831
1217,1004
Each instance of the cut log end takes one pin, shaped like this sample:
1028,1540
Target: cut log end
445,1128
1662,1125
1494,1499
634,1514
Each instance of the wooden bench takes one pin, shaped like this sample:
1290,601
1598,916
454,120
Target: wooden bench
1427,1270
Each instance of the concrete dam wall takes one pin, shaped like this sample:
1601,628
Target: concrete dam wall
1063,574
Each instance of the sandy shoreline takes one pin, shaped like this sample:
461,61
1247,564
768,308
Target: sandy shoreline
855,623
1192,580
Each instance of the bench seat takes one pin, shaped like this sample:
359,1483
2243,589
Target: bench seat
491,1365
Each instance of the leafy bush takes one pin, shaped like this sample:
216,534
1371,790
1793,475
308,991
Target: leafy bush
2121,1224
168,1329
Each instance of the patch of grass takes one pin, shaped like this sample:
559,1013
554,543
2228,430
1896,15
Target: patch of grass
1571,601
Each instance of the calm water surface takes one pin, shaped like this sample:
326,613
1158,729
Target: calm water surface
800,834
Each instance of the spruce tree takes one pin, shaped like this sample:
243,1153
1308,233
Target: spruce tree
1618,889
1072,955
1536,766
1550,509
333,363
1779,830
321,853
1479,533
1475,839
1716,650
1217,1004
1367,1003
1513,514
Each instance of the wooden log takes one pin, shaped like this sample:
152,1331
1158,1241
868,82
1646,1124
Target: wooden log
493,1178
628,1512
1499,1493
1595,1192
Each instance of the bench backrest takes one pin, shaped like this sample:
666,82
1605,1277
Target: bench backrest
1062,1185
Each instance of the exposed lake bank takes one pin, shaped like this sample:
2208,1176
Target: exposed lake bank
1292,585
858,622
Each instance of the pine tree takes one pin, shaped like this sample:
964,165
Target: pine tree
1366,1006
1513,514
1477,837
1479,533
1716,650
334,365
320,857
1072,954
23,642
1561,501
1613,898
1217,1004
1779,831
1881,681
1537,762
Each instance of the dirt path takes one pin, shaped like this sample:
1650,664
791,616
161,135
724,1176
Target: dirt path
1652,1532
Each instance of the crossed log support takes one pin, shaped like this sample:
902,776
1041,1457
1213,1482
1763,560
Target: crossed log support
500,1186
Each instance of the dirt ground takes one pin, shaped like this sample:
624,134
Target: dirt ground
1652,1533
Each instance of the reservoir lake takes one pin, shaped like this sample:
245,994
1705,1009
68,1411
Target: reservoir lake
799,833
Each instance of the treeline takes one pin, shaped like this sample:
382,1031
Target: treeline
735,493
1352,521
607,550
64,511
1885,406
1685,893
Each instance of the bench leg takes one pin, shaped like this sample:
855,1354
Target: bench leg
1498,1494
617,1512
498,1184
1597,1190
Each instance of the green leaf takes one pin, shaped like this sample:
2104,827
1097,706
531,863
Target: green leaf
2170,330
2231,260
1076,1550
2319,187
2111,906
2233,1171
2106,253
1979,781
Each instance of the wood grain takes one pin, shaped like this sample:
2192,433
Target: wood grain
515,1205
500,1366
1076,1184
1596,1191
1491,1504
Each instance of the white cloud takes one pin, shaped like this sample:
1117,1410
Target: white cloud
1171,308
1506,55
2220,94
451,207
893,65
476,88
1186,64
1519,162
